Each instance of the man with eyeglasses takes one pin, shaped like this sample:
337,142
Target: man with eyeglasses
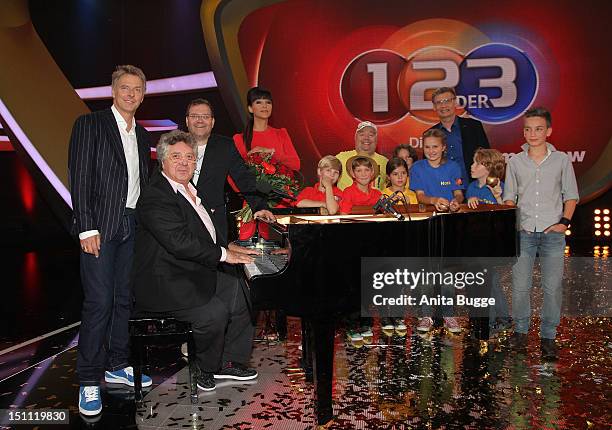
108,166
463,135
177,254
218,158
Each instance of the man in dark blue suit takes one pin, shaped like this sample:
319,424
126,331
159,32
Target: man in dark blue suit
463,135
108,166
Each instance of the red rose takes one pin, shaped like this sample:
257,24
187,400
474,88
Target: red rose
255,158
268,168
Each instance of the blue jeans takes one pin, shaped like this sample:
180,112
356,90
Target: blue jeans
549,247
107,303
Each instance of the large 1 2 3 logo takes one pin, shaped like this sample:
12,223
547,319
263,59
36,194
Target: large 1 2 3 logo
495,83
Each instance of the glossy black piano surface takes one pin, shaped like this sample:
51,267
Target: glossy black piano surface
321,278
323,270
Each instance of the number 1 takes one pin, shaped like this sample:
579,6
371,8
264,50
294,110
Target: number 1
380,87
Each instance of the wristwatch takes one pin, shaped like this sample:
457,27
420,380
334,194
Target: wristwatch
565,221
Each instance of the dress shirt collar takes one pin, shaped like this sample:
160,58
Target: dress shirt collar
549,148
177,187
454,125
122,122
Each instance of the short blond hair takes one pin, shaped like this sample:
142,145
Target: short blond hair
128,69
329,161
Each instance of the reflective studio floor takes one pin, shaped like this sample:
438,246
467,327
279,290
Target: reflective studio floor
438,381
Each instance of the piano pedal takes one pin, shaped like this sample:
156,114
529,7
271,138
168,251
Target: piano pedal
268,331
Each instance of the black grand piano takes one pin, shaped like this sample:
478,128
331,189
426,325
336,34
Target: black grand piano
310,266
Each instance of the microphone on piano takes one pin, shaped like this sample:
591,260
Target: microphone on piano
380,204
385,203
390,208
266,188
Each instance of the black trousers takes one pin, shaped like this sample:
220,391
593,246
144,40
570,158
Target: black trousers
222,328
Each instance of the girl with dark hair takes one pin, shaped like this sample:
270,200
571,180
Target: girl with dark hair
259,136
397,180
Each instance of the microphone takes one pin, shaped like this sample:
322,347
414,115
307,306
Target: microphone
380,204
386,204
391,209
265,188
383,201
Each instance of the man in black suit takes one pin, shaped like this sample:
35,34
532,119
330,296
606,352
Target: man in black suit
218,158
108,166
463,135
177,254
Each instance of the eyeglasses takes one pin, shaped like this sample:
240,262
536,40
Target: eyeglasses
195,117
444,101
177,158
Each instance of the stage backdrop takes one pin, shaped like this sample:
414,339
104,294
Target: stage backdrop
330,65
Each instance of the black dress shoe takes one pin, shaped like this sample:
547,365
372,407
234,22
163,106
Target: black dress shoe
206,381
518,342
549,349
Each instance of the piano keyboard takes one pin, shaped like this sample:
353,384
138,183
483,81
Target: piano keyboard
266,264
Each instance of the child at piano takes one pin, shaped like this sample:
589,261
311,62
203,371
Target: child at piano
363,170
437,181
397,180
487,170
324,194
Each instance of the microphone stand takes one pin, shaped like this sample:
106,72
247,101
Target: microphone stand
406,204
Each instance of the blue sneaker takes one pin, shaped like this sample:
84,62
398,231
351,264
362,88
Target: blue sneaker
126,376
89,400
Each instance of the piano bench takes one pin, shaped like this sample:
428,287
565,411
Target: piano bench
148,331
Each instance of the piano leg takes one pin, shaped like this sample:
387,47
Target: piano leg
307,350
281,324
323,332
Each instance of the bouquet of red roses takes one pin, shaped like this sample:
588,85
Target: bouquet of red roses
279,176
